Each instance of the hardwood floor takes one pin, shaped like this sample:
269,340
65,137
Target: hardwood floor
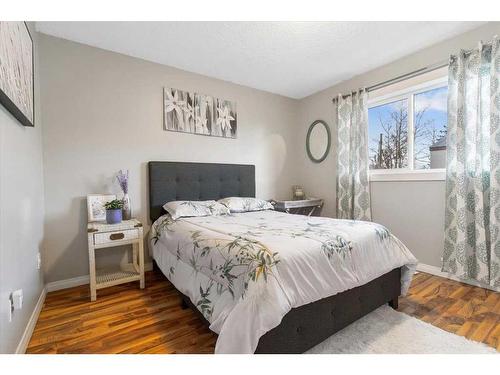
455,307
125,319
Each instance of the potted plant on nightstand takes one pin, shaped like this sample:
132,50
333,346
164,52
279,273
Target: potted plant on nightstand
114,211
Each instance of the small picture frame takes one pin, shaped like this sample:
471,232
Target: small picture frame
95,206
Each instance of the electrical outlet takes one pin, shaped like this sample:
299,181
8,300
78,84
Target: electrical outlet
38,261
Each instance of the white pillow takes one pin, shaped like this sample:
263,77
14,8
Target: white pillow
239,204
178,209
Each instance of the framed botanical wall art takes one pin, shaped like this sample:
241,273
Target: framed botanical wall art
225,119
95,206
17,71
199,114
203,114
179,110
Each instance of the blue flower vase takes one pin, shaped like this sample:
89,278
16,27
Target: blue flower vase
114,216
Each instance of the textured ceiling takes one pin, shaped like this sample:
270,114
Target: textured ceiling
294,59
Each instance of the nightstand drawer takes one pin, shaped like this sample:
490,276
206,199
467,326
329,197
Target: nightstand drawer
116,236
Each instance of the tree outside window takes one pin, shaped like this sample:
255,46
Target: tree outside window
389,123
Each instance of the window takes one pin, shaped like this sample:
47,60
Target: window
430,128
388,135
407,131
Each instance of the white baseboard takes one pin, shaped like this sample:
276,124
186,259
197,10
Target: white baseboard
30,327
67,283
80,280
433,270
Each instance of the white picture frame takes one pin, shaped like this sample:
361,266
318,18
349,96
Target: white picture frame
95,206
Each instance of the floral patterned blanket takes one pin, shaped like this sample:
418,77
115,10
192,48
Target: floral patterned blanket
245,271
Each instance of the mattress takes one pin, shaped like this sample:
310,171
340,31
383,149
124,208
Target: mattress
245,271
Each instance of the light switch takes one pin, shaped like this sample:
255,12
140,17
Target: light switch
17,299
10,310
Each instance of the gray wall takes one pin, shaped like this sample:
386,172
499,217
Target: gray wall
102,111
414,211
21,218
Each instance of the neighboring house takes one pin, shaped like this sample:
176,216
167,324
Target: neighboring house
438,153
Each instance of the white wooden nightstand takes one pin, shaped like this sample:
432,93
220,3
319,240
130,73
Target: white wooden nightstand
102,236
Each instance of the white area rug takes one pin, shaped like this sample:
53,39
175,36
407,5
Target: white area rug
386,331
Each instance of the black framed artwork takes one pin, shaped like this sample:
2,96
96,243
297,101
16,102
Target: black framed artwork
17,71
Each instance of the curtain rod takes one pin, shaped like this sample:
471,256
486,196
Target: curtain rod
400,78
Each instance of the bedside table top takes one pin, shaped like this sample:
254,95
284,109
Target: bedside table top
285,204
102,226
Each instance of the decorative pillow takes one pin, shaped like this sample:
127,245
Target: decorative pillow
219,209
178,209
238,204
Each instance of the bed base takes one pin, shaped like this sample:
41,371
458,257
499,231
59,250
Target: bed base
306,326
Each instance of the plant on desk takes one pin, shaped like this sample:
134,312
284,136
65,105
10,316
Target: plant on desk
114,211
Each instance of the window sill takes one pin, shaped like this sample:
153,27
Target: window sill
408,175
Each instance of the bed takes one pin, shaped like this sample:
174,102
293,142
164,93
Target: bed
269,282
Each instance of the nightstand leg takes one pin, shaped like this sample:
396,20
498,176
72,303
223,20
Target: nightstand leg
135,257
141,259
92,272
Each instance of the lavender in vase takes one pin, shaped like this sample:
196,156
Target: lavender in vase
122,178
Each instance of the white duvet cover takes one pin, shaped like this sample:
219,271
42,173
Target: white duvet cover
245,271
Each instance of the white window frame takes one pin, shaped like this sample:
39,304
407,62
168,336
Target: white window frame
408,174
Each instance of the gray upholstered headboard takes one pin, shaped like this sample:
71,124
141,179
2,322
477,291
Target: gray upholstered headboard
170,181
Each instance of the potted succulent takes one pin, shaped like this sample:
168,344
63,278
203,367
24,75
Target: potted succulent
114,211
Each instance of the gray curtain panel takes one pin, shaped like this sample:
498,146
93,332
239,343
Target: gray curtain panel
353,194
472,241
